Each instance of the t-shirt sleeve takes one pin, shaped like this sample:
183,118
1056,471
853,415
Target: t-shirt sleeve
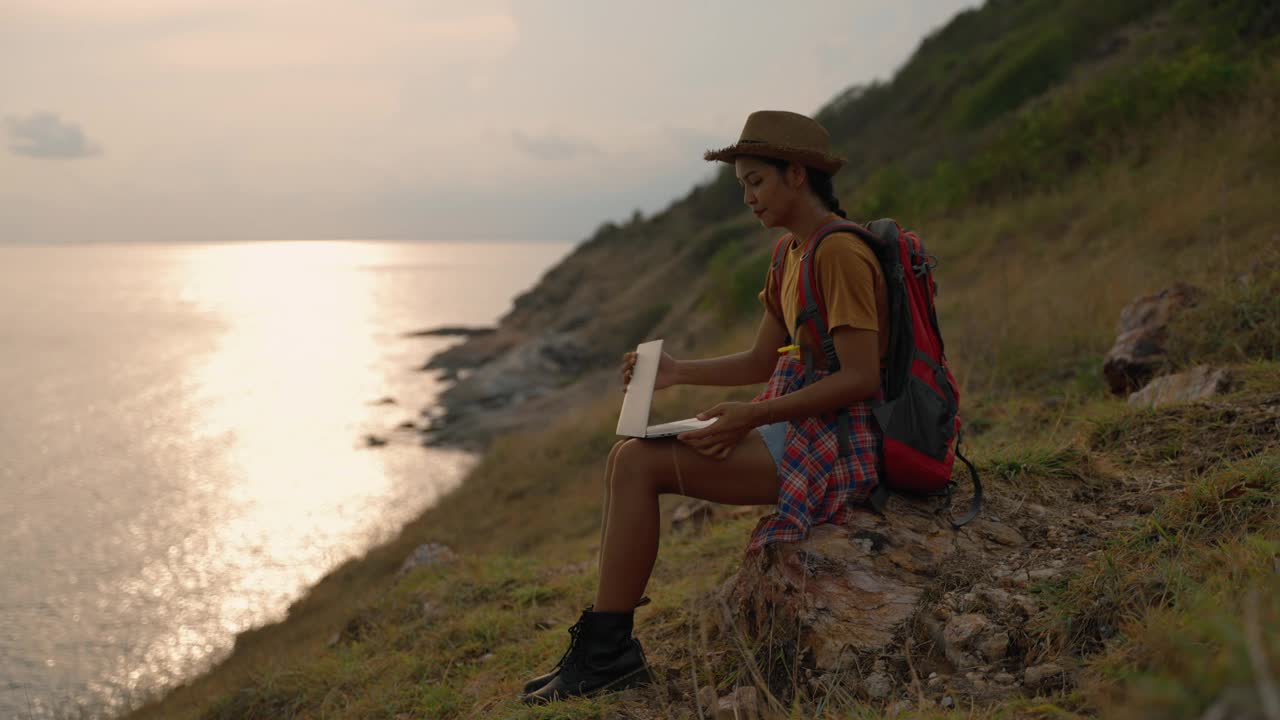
766,296
849,276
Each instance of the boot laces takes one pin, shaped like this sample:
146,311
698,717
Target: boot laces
575,633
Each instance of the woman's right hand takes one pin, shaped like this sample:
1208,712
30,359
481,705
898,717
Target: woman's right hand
666,370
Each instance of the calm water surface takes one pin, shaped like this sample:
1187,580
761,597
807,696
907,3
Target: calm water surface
181,448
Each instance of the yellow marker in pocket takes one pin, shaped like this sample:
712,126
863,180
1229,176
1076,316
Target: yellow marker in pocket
788,349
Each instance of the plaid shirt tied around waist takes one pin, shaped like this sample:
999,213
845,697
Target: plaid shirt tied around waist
817,486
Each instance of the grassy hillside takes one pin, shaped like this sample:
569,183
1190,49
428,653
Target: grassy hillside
1060,159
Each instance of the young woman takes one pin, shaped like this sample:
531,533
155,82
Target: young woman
780,448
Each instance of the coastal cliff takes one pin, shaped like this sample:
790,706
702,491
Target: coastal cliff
561,339
1062,161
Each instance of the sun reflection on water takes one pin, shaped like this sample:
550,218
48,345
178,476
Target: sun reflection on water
189,454
283,392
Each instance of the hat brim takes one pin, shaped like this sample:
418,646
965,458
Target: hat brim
829,164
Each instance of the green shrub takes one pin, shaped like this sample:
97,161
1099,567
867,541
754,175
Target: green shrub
1041,146
1030,71
735,280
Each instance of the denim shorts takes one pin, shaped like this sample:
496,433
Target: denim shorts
775,437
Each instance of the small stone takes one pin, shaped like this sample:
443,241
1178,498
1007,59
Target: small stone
1144,505
998,533
960,634
877,685
727,710
1038,674
963,627
1195,384
1044,573
1004,678
426,555
1027,605
935,681
707,698
995,597
947,702
1087,514
994,646
692,515
746,703
897,708
1016,579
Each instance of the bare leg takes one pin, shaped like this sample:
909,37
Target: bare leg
604,520
643,470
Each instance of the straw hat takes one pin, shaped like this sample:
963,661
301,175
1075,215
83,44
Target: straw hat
785,136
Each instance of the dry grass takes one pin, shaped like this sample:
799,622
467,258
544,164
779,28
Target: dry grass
1030,290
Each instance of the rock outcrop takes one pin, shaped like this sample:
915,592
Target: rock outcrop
1139,351
848,590
426,556
452,331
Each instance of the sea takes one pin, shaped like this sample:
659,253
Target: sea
184,440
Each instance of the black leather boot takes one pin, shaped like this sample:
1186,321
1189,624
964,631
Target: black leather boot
602,657
534,684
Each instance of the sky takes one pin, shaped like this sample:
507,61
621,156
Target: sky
206,120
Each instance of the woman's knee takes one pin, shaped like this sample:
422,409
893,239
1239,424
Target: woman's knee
613,451
633,463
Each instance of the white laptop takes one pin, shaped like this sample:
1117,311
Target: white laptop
633,421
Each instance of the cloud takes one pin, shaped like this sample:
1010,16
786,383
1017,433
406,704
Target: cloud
43,135
335,36
554,146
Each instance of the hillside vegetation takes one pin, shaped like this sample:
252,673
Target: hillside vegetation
1060,159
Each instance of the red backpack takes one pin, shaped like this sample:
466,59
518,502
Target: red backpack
919,411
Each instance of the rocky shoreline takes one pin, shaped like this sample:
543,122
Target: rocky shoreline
501,381
561,341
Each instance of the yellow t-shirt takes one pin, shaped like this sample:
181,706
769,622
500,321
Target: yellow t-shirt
850,280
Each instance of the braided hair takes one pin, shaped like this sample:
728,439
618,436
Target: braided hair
822,187
818,180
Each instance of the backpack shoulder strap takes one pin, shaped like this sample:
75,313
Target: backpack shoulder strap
813,309
813,312
778,250
775,276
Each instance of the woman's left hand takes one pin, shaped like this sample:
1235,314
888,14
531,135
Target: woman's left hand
733,420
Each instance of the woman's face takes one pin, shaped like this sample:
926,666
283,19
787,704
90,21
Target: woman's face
765,189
